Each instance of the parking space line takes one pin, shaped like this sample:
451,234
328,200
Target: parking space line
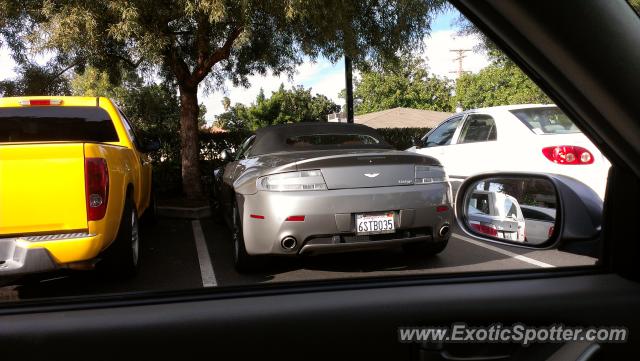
206,267
504,252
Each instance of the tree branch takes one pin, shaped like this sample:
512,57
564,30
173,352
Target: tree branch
203,69
177,65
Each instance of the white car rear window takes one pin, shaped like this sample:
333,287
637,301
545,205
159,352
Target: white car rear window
549,120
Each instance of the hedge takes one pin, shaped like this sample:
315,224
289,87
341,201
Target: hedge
166,162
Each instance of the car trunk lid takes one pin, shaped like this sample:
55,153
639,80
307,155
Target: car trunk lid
367,169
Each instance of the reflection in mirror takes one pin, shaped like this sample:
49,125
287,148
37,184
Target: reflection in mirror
513,209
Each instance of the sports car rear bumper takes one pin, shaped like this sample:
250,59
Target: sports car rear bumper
329,218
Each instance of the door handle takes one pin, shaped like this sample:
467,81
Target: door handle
447,356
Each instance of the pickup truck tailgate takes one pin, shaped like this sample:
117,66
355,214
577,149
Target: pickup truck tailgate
42,188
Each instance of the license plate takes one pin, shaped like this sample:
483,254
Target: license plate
375,223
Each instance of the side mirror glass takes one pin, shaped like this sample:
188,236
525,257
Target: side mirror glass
512,209
531,210
226,155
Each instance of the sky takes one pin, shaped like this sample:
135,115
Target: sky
326,78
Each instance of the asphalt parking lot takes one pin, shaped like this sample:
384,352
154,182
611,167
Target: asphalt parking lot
184,254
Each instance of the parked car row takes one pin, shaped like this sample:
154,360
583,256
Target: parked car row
75,181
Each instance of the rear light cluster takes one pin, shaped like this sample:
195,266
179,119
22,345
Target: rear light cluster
96,182
484,228
429,174
306,180
568,154
40,102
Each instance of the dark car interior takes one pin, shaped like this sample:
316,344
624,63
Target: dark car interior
566,47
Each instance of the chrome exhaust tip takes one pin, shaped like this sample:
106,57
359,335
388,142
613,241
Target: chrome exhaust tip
289,243
444,231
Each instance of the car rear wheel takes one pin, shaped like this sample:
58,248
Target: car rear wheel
425,248
122,258
242,261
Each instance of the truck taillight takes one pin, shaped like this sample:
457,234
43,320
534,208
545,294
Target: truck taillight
96,183
40,102
568,154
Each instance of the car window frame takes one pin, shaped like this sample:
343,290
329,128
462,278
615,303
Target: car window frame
468,118
461,117
128,128
244,148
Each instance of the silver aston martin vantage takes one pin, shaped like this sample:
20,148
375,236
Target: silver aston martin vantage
313,188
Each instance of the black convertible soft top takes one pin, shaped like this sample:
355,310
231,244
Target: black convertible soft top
316,136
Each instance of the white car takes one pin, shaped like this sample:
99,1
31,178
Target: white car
529,138
496,214
539,222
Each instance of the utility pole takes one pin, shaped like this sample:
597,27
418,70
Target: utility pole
459,58
348,77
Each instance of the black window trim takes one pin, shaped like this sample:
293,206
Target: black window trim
462,118
464,122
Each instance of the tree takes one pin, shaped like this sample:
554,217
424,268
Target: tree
405,84
284,106
189,42
153,108
34,79
497,84
500,83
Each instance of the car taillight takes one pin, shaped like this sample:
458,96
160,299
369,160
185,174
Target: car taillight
40,102
568,154
96,183
550,232
484,228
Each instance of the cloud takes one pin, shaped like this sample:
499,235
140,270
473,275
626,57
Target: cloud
328,79
322,76
441,60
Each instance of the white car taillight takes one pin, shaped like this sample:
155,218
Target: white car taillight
429,174
306,180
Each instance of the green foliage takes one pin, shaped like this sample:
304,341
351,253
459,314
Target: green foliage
402,138
501,83
635,4
497,84
191,41
408,84
184,39
34,79
283,106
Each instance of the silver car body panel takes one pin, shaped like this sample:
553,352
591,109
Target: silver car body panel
332,212
357,180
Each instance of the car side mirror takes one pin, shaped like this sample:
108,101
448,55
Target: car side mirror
226,155
559,212
418,143
150,144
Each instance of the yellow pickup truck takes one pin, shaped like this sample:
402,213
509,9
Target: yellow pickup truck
74,180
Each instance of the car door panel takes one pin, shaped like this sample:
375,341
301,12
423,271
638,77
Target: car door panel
286,323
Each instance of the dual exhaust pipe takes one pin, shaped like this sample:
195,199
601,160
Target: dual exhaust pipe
289,243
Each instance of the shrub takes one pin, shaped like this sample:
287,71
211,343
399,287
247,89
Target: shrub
402,138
